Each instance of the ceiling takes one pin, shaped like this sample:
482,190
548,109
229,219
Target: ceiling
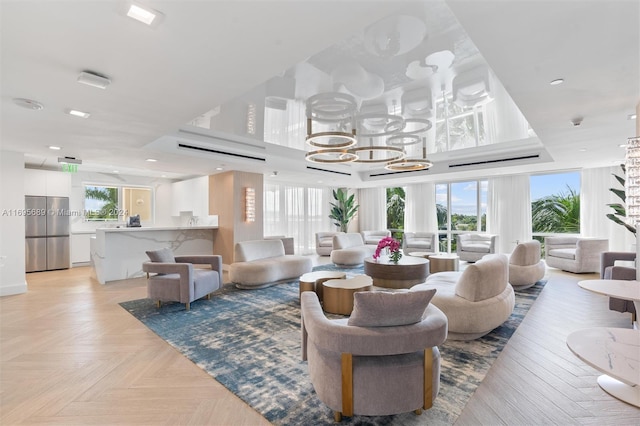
216,56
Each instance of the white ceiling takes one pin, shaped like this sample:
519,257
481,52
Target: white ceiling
207,53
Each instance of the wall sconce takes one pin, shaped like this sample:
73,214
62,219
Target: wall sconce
249,205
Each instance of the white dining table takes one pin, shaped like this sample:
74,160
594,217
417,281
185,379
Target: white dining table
613,351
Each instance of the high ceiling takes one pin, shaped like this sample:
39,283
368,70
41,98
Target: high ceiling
215,57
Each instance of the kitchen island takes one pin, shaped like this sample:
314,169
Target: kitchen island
118,253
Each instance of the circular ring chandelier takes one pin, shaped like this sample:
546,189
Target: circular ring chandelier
331,156
392,153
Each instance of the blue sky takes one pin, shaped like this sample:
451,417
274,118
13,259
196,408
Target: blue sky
463,194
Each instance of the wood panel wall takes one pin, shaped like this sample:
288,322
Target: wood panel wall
227,200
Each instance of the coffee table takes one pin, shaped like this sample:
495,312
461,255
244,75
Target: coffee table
408,272
338,294
312,281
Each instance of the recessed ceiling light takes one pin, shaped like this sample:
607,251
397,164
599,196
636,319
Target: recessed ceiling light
583,150
93,79
55,148
556,81
632,116
219,168
116,171
28,104
151,160
623,145
145,15
77,113
164,176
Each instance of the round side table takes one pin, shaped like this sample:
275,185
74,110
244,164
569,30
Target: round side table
338,294
312,281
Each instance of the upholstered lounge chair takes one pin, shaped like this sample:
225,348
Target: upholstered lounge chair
372,238
419,241
525,266
386,363
476,300
349,249
175,279
610,271
472,247
324,242
575,254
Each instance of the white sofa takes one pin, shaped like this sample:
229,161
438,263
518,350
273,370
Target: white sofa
349,249
262,263
472,247
324,242
476,300
575,254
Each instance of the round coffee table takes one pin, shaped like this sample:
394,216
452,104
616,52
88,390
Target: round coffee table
312,281
338,294
408,272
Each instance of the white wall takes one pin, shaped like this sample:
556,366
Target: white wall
12,247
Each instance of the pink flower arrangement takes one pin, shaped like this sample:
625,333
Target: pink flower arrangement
394,248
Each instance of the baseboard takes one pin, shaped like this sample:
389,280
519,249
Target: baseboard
9,290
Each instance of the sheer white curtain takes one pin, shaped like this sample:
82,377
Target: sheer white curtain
509,210
420,208
372,213
298,212
594,197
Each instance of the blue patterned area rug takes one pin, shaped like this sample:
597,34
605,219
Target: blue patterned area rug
249,341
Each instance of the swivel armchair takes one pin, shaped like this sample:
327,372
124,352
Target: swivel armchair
178,280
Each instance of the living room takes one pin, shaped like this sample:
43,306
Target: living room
573,127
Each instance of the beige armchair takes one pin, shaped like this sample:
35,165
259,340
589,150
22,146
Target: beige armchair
175,279
374,368
476,300
420,241
525,265
324,242
575,254
472,247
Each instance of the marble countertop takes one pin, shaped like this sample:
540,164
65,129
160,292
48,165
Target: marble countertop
156,228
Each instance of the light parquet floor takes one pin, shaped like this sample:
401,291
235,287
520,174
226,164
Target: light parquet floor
70,355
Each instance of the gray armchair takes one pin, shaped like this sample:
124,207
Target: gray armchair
179,281
525,266
610,271
372,370
324,242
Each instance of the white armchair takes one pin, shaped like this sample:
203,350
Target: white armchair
420,241
575,254
324,242
372,238
472,247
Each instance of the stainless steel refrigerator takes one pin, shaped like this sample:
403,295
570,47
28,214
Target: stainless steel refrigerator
47,233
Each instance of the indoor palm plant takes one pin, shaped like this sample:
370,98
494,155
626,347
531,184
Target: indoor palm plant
619,214
343,209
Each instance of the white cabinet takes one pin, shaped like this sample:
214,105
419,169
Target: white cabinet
80,247
190,195
47,182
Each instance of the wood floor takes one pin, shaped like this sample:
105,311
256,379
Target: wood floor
69,354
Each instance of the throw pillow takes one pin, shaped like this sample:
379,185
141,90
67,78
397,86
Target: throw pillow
386,309
164,255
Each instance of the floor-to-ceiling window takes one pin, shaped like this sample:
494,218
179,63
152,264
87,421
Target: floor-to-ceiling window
555,204
461,207
395,211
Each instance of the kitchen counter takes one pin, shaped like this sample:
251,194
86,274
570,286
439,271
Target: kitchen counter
118,253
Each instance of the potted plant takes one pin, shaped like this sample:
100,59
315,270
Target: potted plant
343,209
620,213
